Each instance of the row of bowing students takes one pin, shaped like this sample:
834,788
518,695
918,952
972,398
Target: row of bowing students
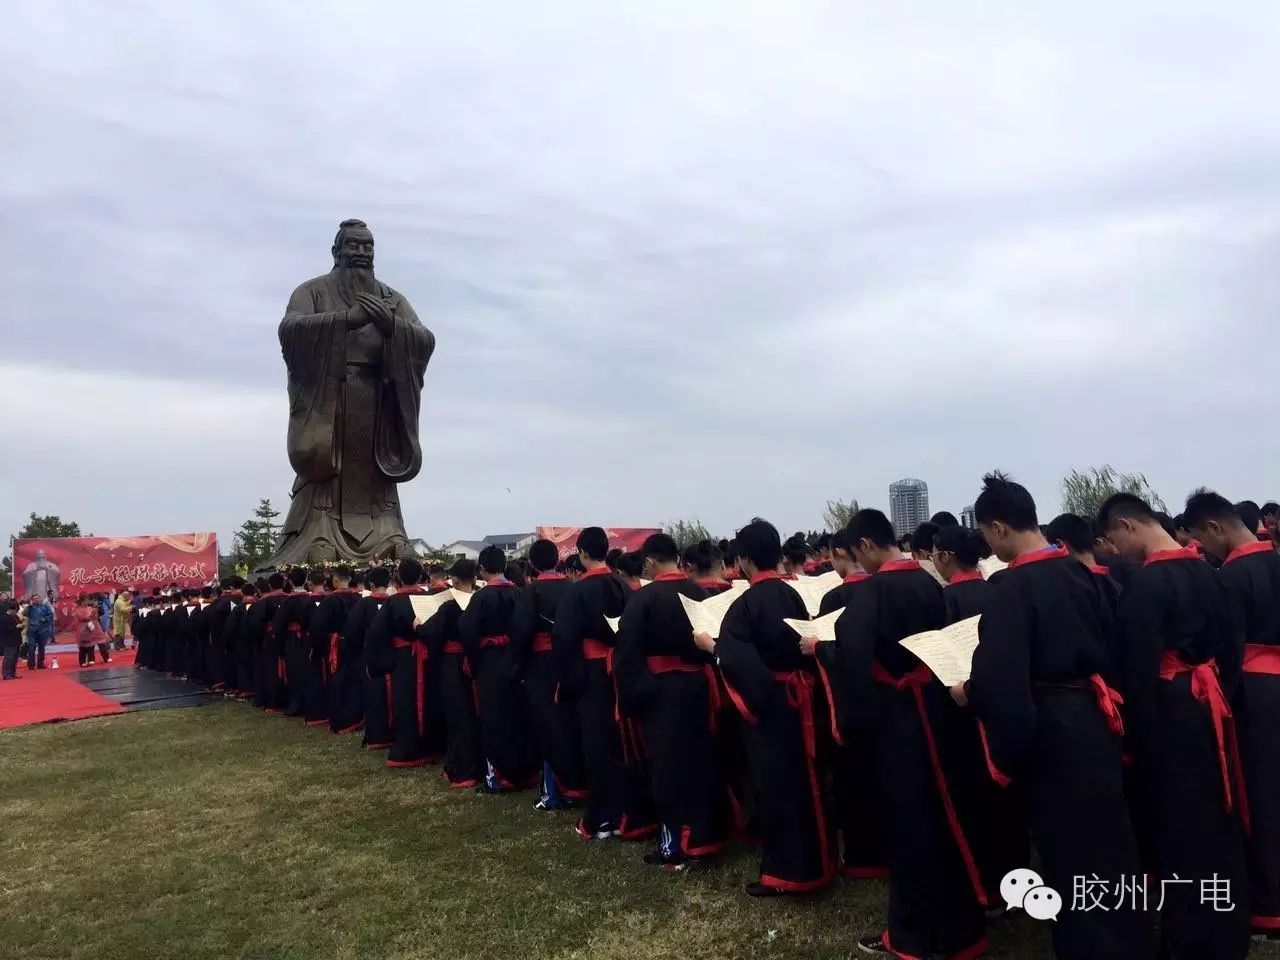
1120,732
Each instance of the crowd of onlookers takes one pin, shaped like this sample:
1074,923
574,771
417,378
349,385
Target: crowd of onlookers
99,622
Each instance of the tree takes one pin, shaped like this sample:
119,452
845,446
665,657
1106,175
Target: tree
686,533
1083,493
836,516
255,541
36,528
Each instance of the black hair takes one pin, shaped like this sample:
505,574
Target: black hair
631,564
702,556
1250,514
1204,505
661,548
1074,532
380,577
227,583
760,543
263,584
944,518
872,525
573,564
276,581
1167,523
823,542
298,576
318,576
493,560
463,569
1005,501
922,538
543,555
206,593
344,573
250,590
409,571
966,545
1270,508
593,542
1128,506
840,541
796,549
515,573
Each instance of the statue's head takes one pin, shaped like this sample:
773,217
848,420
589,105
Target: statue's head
40,556
353,246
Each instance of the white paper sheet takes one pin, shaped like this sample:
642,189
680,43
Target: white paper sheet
426,605
813,589
705,616
947,652
824,628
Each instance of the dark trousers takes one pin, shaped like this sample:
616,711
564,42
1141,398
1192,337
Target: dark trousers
86,655
10,665
35,655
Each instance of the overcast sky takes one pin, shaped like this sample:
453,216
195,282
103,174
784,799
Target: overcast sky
681,260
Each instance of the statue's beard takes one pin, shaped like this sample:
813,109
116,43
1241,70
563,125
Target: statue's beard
360,279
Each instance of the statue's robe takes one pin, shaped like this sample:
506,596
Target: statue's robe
354,397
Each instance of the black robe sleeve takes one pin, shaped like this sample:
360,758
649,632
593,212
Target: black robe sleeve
751,683
637,687
1000,682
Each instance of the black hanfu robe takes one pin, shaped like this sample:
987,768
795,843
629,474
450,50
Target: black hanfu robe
485,634
858,808
417,721
928,772
241,679
1043,689
213,620
965,596
324,641
378,659
188,630
582,651
345,663
773,686
463,764
671,687
273,686
555,723
142,636
1178,662
289,628
1250,581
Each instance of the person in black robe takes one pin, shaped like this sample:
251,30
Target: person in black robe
1043,689
214,621
273,688
1077,535
289,627
956,552
555,723
511,758
1179,664
373,666
309,666
417,722
704,564
187,628
240,663
670,686
928,774
141,630
464,764
769,681
172,627
858,812
582,653
324,635
1249,579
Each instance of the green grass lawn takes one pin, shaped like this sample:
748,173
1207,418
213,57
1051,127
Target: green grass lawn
223,832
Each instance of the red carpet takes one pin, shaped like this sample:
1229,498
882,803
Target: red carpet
40,696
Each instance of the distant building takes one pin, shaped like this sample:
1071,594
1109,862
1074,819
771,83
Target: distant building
512,544
908,505
968,518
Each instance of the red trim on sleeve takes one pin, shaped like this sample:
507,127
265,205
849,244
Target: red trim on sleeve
738,702
1002,779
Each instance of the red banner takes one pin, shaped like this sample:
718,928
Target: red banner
69,567
620,538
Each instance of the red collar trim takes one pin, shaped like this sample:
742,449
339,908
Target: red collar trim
344,591
764,575
810,566
1178,553
733,573
1035,556
857,577
710,584
315,594
966,576
413,589
498,583
894,566
1257,546
595,572
380,594
671,577
1099,569
550,576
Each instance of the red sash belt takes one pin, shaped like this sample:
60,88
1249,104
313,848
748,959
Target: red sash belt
1109,701
799,686
915,681
661,665
542,643
1261,658
457,649
453,646
1206,688
334,640
419,677
282,670
498,640
593,649
295,629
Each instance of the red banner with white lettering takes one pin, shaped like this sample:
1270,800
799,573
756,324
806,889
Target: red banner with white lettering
69,567
629,539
